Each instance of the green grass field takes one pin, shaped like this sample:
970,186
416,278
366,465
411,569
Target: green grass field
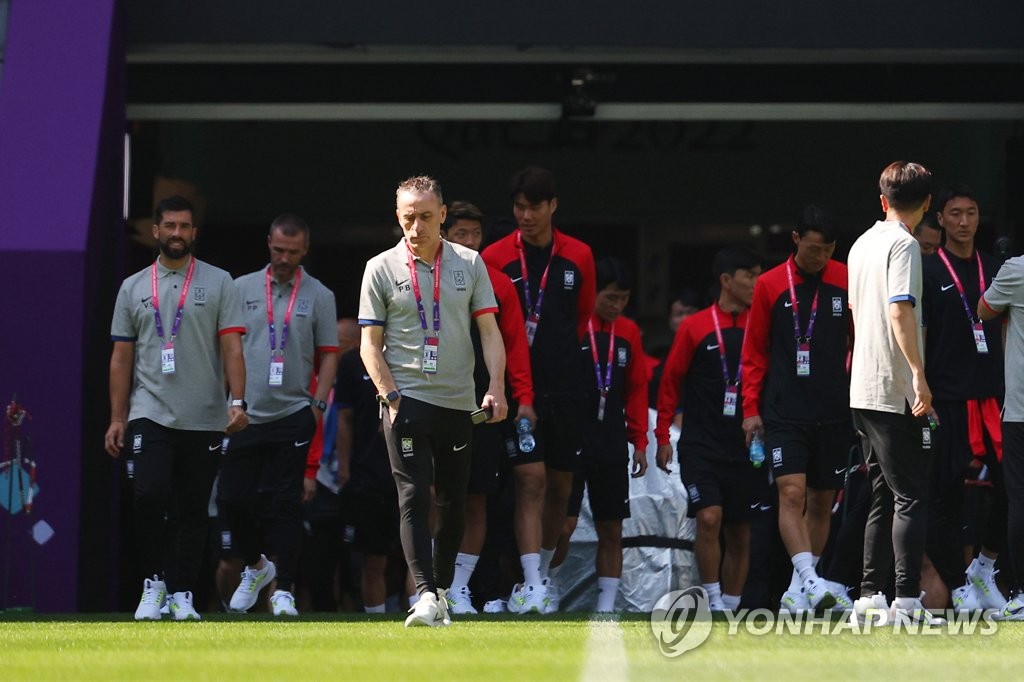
72,648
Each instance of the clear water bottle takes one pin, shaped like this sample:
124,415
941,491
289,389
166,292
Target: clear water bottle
757,450
526,440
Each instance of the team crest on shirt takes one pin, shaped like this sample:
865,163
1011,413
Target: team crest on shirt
837,306
302,307
776,456
199,295
225,540
694,492
569,279
406,446
460,279
622,356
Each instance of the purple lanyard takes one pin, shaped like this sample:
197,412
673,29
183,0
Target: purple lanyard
721,350
607,383
533,312
960,286
801,338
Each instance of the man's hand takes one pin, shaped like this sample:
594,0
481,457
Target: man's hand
922,396
752,425
308,489
392,412
113,442
237,420
528,412
639,462
664,457
499,408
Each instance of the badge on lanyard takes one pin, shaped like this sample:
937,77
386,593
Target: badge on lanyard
729,406
276,375
604,383
533,309
167,358
803,360
601,403
531,329
803,341
430,355
977,329
276,369
979,337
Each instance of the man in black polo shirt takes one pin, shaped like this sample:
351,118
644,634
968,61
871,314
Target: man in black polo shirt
964,367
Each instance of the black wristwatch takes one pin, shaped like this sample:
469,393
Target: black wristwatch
240,403
389,398
318,404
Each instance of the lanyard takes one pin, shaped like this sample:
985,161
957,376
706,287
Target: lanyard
605,384
287,312
181,300
721,351
437,289
801,338
533,311
959,285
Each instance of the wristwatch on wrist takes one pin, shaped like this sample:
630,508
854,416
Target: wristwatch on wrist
318,404
240,403
389,398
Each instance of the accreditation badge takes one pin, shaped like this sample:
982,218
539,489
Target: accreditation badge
276,369
803,360
430,355
167,358
979,337
729,406
531,329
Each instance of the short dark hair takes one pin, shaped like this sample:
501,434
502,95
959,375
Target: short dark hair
732,258
463,210
691,298
905,185
290,225
535,183
815,218
952,191
610,271
172,203
928,221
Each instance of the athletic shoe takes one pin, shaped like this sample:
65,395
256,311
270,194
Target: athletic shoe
984,583
873,609
534,599
154,594
966,598
443,612
460,601
842,594
495,606
517,599
282,603
716,605
793,602
181,606
253,581
818,594
427,612
911,610
554,595
1012,610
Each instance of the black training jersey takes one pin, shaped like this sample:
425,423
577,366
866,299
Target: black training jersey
953,366
559,364
370,467
771,386
695,364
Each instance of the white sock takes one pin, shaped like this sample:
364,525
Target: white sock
374,609
545,561
607,590
803,562
413,598
985,564
731,601
714,591
464,565
795,583
531,568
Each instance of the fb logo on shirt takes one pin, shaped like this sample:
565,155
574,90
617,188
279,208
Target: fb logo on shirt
622,356
837,306
569,279
460,280
199,295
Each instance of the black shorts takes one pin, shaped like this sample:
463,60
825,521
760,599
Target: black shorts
489,446
371,520
607,486
735,486
821,451
561,423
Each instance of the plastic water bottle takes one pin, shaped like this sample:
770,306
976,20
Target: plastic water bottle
757,450
526,440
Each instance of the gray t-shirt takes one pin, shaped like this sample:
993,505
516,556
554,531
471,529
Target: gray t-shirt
193,397
386,298
1007,293
884,267
313,327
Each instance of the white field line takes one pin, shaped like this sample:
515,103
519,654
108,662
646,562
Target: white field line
606,653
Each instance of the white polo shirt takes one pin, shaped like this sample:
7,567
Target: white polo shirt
1007,293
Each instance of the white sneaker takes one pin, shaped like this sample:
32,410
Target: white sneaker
154,594
442,606
460,601
873,609
818,594
534,599
253,581
282,603
910,610
1012,610
793,602
965,598
495,606
984,582
425,613
842,594
517,599
554,595
181,606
